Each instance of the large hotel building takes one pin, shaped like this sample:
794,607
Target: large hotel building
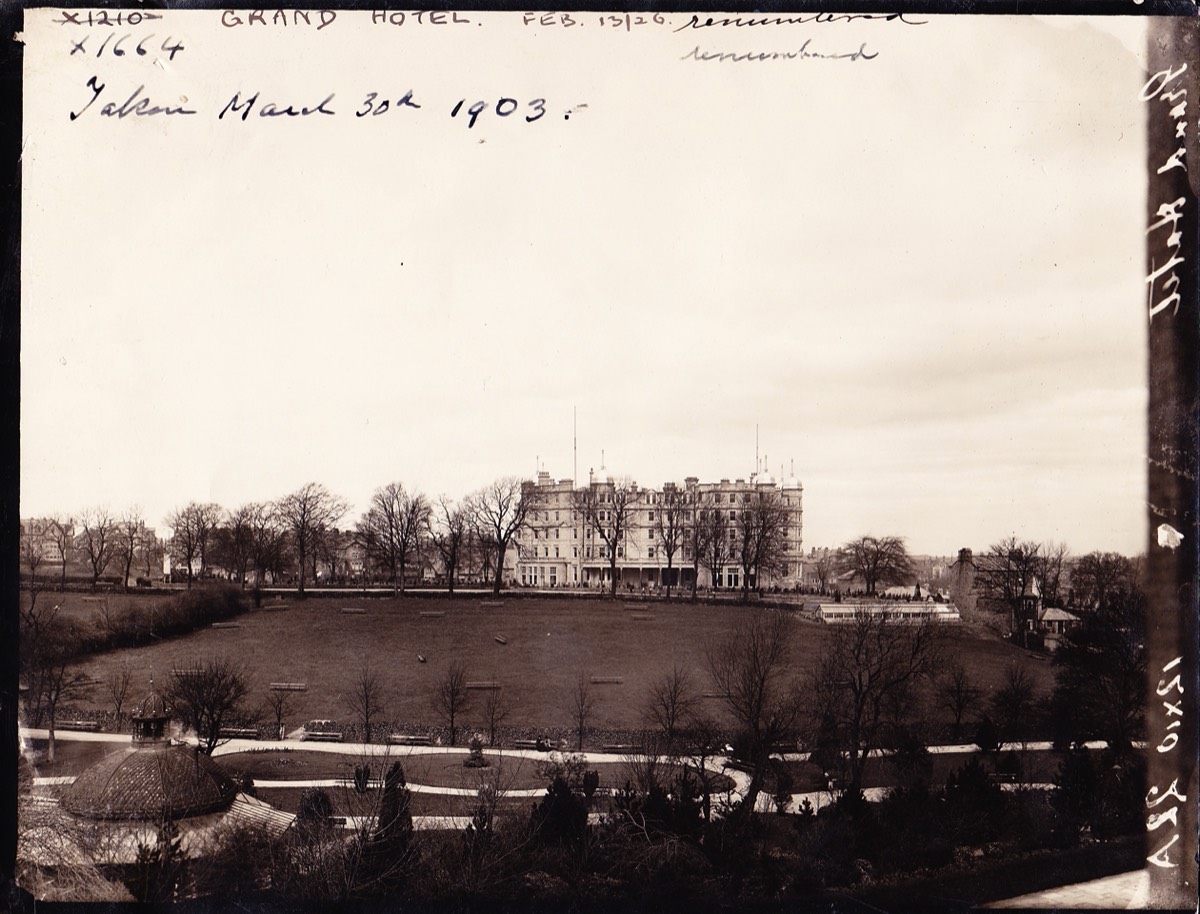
557,548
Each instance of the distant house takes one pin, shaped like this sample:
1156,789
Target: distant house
1037,618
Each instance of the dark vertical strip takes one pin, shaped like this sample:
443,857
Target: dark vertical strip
10,399
1171,96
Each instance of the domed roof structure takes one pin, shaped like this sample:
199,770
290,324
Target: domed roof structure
154,780
151,783
153,706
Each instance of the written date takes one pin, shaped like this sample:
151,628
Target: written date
122,104
626,21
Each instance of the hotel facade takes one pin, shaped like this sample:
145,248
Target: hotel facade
557,548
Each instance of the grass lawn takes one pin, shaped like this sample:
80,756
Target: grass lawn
71,757
348,803
550,642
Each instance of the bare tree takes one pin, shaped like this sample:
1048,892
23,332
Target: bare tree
499,511
365,699
1013,701
669,704
391,529
670,527
279,703
825,568
1051,566
583,706
266,540
494,713
98,540
127,541
877,560
1007,572
958,692
695,539
49,644
1099,578
450,697
117,685
192,529
751,671
62,534
606,509
150,551
207,698
705,743
761,533
868,680
184,546
449,528
306,513
717,550
236,540
32,558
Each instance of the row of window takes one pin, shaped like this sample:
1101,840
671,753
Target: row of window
652,498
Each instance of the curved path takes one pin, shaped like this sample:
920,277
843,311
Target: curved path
718,765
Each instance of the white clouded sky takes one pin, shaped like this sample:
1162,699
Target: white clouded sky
919,276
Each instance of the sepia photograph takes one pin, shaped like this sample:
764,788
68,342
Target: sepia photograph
607,461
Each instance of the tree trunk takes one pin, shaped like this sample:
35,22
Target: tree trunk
612,571
499,568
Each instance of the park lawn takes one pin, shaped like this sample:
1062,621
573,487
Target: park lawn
550,643
431,769
348,803
71,756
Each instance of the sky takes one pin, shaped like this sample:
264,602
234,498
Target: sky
913,281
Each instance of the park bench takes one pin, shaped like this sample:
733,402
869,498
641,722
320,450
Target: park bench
643,617
491,603
432,613
93,599
289,687
353,611
623,749
713,695
500,639
607,680
90,725
238,733
538,745
227,625
408,739
321,736
489,685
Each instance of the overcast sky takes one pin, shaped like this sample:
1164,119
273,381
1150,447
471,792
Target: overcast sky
919,276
